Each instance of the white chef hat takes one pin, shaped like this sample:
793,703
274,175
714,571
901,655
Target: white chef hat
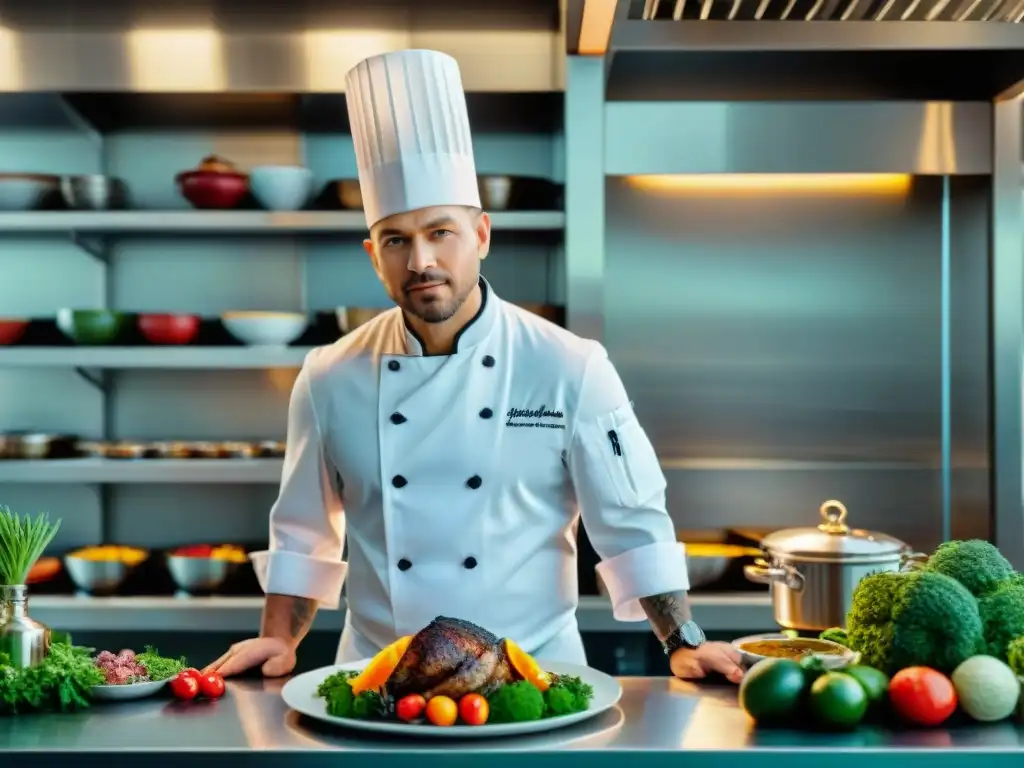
410,128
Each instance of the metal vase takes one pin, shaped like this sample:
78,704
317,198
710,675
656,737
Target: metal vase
25,641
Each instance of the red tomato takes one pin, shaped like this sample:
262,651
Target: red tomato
185,687
922,696
473,709
192,672
442,710
410,707
211,685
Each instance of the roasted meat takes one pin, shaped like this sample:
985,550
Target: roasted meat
451,657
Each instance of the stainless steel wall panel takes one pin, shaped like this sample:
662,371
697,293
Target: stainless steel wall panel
798,137
585,203
783,349
1007,341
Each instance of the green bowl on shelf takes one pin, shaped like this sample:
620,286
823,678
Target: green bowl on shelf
91,326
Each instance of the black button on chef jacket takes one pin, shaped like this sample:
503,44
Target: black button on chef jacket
475,482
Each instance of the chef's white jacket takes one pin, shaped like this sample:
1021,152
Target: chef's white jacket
459,481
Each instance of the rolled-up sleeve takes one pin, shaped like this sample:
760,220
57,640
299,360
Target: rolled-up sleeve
621,492
307,522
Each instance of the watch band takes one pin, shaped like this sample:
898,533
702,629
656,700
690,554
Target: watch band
686,635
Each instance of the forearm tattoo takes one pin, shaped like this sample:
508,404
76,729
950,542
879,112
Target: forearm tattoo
303,611
666,612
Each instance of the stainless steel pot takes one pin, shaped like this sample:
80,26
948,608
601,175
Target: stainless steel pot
813,572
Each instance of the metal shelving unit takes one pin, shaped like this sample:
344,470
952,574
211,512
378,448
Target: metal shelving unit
739,613
211,358
103,471
232,222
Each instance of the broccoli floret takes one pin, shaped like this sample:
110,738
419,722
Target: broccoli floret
1015,656
976,564
913,618
1002,617
559,701
836,635
516,703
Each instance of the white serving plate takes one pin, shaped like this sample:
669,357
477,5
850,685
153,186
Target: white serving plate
127,692
828,662
299,694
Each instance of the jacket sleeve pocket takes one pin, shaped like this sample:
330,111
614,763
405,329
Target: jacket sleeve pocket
618,459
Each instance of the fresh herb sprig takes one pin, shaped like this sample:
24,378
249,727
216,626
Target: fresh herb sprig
60,683
22,542
160,667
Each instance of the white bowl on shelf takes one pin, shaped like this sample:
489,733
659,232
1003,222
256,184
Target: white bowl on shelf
265,329
281,187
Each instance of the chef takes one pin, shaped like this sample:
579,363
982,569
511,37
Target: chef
455,441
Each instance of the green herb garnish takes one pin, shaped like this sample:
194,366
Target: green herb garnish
60,683
160,667
22,542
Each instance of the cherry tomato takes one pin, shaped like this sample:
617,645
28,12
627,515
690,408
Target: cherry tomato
922,696
410,707
211,685
185,687
191,672
473,709
442,711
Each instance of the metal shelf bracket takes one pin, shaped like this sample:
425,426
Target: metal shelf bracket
94,246
98,379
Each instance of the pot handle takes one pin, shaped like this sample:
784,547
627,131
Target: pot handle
911,560
761,572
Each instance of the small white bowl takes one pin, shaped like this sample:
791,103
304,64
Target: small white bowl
281,187
126,692
265,329
844,656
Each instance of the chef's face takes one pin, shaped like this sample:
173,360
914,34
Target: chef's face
429,259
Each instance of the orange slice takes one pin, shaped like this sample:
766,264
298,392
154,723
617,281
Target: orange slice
380,667
524,665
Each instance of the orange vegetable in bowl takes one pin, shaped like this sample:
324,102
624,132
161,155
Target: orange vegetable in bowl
380,667
526,667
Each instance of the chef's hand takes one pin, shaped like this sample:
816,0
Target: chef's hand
274,655
695,663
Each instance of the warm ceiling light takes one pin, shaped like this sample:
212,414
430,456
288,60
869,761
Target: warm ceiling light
596,27
756,183
176,60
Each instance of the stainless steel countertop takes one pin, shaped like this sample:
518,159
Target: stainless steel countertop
656,715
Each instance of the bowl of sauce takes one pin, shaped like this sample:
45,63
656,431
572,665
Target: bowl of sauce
755,648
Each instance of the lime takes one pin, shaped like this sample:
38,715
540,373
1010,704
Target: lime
874,682
838,701
773,690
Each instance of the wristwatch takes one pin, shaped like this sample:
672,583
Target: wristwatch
686,635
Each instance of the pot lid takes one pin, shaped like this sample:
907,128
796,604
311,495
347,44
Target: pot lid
832,538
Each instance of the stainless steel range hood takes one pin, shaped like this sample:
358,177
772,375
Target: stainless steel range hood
1010,11
802,49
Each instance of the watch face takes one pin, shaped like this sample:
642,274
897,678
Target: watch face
692,634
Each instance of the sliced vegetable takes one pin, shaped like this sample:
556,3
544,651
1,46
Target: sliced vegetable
442,711
380,667
526,666
922,696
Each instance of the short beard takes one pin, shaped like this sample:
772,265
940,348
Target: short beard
438,312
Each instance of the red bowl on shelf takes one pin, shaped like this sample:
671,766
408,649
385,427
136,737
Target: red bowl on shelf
213,190
169,329
11,330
